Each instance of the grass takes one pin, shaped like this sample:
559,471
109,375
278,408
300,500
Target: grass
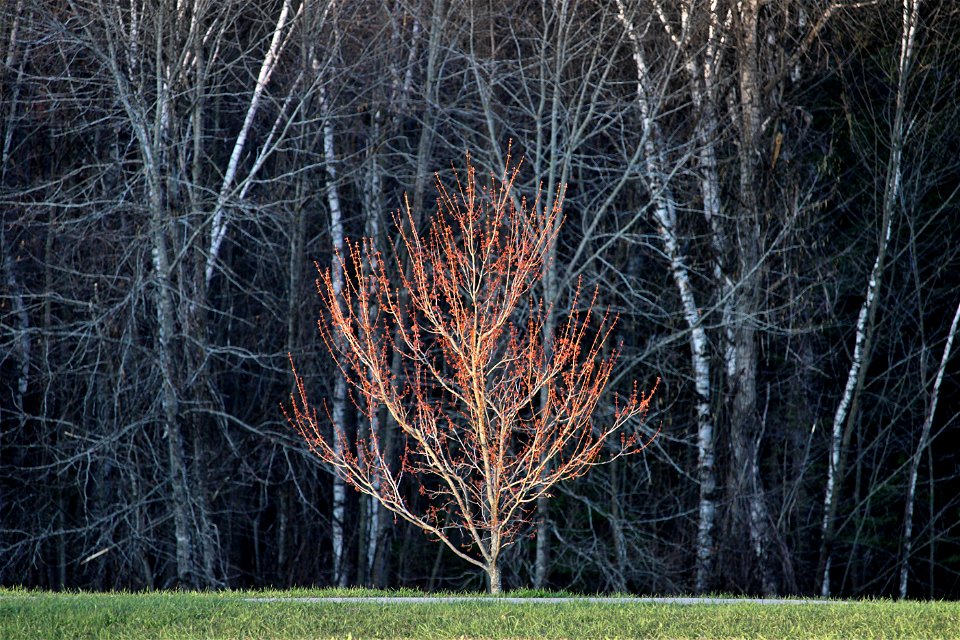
35,614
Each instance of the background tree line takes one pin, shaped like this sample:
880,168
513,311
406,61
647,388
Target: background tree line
766,193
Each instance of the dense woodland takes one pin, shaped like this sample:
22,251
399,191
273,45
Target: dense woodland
765,192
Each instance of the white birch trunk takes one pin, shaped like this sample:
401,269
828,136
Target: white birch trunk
218,224
846,408
861,344
705,99
700,360
665,214
338,410
915,462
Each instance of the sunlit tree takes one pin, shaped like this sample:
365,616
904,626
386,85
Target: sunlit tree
491,417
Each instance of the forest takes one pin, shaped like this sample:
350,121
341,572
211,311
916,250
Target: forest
765,194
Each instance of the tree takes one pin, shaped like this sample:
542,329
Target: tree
568,115
492,418
848,406
664,205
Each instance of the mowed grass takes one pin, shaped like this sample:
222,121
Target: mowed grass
33,614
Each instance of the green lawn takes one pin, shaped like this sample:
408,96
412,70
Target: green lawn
27,614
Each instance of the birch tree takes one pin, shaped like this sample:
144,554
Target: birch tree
846,411
922,443
664,207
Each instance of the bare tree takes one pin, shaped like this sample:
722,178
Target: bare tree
845,415
922,443
465,402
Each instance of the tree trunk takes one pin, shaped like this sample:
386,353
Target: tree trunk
665,215
427,131
22,341
541,566
745,432
372,186
494,582
616,525
338,413
845,415
22,345
339,409
708,127
218,222
172,433
542,561
915,461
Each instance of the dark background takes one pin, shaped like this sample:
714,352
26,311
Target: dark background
140,400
